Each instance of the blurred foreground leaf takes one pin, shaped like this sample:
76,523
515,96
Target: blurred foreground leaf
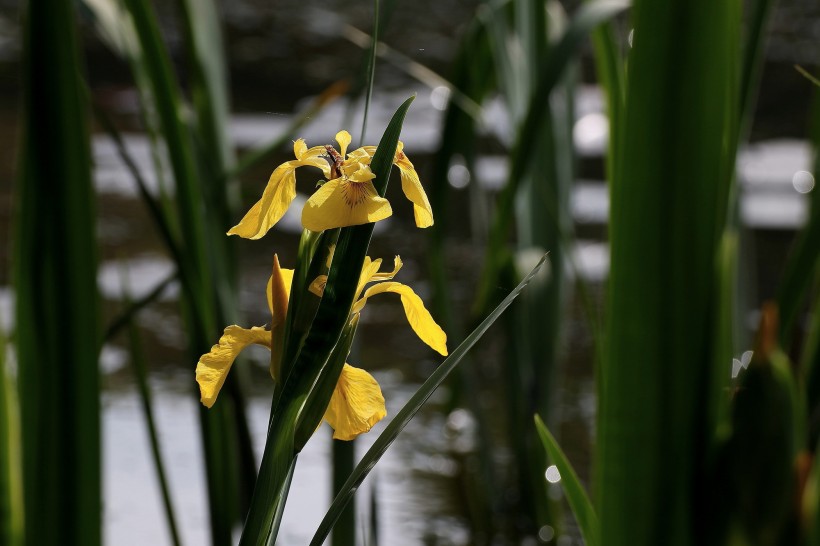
55,270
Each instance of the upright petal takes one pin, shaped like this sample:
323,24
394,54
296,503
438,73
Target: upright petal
314,157
356,404
299,148
413,190
278,295
369,268
343,138
213,368
386,276
339,203
417,315
370,272
287,281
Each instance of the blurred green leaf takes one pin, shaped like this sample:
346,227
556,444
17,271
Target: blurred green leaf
141,375
11,479
589,16
55,274
667,205
802,268
761,452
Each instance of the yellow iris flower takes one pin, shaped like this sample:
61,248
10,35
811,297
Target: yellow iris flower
357,402
348,198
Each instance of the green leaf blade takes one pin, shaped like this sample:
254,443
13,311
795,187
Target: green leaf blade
577,496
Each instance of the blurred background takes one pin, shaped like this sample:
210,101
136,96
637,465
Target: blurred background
432,487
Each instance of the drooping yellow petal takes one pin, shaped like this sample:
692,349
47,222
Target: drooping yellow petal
356,404
279,192
417,315
343,138
413,190
410,183
213,367
341,203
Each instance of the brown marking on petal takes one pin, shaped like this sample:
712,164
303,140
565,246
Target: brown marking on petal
354,194
336,162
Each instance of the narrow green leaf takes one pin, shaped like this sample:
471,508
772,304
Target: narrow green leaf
388,436
609,66
806,74
55,267
810,364
135,307
803,265
11,479
577,496
371,70
753,59
158,213
810,503
221,433
141,375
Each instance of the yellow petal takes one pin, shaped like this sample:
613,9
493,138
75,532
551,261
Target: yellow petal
387,276
362,155
356,404
339,203
287,281
357,172
343,138
299,148
213,368
370,272
413,190
369,268
417,315
279,192
315,157
278,295
276,199
317,287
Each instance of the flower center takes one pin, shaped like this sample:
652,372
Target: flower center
336,161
